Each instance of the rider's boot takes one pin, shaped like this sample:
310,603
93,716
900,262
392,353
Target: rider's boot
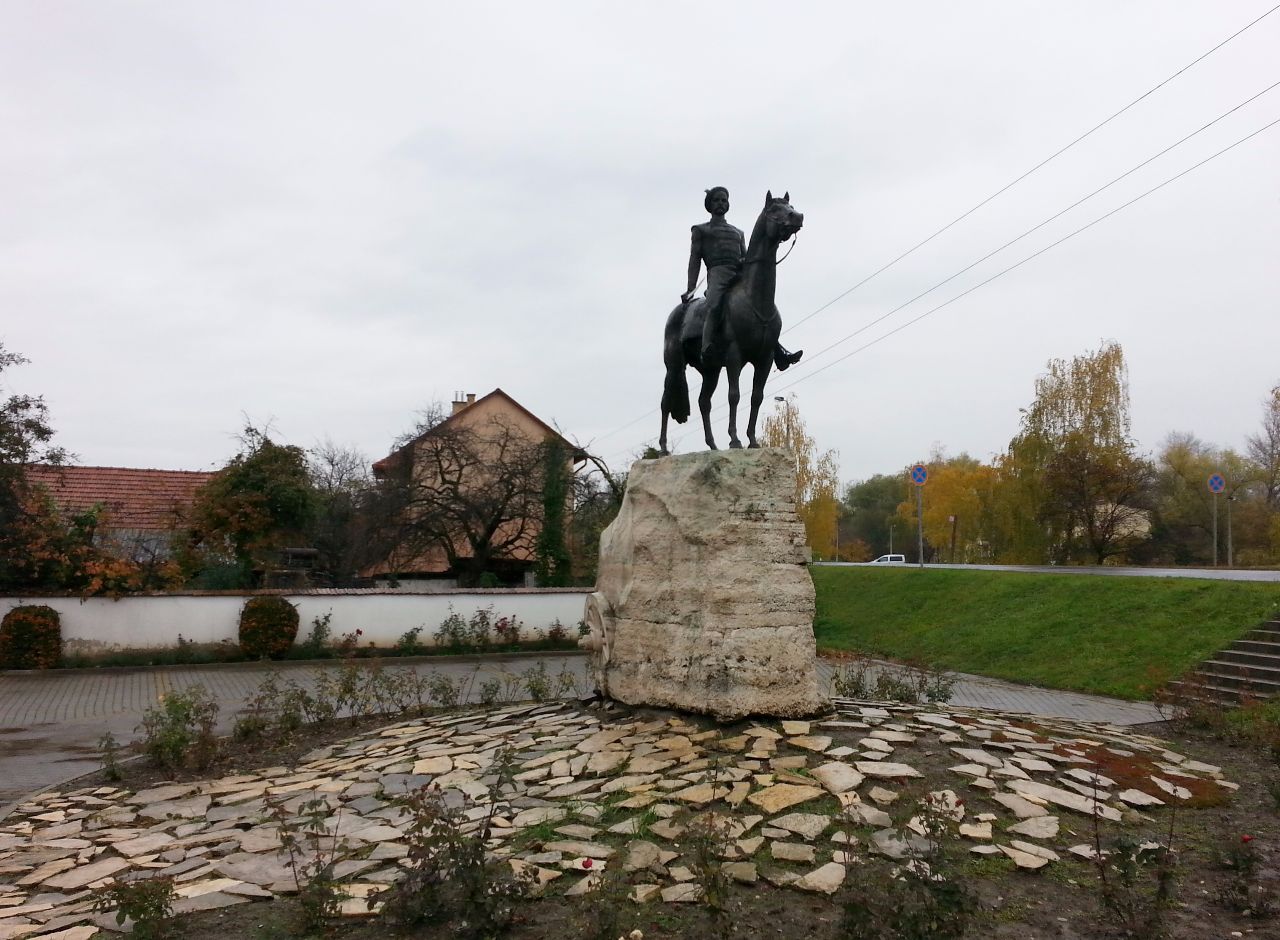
712,344
783,359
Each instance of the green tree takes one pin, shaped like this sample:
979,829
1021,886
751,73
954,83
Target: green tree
1077,488
1182,530
870,514
33,540
262,501
597,497
817,477
551,553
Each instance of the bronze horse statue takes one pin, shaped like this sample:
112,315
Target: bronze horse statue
751,323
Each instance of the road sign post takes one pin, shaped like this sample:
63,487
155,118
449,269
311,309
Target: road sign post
919,474
1217,483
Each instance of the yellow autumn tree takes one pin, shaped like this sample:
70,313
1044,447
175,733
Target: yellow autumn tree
817,477
956,501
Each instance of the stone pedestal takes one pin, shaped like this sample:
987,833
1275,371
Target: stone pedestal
703,602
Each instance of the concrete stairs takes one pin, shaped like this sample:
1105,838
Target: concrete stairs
1248,668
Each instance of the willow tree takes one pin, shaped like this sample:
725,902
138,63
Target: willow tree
817,477
1075,487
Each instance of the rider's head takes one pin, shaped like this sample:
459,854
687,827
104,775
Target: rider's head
717,198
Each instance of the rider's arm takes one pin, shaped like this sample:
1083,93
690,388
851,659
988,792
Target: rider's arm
695,263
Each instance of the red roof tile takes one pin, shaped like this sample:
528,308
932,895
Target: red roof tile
132,498
389,462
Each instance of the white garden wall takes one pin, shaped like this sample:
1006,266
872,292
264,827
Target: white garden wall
100,624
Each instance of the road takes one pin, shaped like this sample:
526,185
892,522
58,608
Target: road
1212,574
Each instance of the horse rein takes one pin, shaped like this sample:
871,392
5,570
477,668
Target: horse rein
795,237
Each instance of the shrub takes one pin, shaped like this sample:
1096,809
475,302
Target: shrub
410,643
30,638
316,644
147,902
179,730
268,627
450,878
109,750
313,849
453,631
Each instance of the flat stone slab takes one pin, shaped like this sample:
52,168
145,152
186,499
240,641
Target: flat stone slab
782,795
84,876
808,825
1064,798
791,852
1037,827
886,770
824,880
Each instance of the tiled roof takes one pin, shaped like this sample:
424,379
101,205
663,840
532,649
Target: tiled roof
132,498
388,463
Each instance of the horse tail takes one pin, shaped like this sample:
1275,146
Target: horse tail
675,395
675,388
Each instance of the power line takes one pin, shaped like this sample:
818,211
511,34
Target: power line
720,409
1045,161
1040,225
1019,264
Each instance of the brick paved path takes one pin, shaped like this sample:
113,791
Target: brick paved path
50,723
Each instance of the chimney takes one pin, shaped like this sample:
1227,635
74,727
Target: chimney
459,402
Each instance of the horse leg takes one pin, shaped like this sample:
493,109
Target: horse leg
759,375
710,379
662,438
735,372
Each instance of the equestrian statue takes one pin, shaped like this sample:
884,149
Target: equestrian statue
736,323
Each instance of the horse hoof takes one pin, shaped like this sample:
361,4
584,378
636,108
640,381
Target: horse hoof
735,445
753,446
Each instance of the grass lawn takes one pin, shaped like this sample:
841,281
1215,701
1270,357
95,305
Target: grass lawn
1107,635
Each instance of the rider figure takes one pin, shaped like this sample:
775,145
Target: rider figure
722,248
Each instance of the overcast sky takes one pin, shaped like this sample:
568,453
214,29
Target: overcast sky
326,215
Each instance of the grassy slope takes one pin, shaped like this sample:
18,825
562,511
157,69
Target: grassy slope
1108,635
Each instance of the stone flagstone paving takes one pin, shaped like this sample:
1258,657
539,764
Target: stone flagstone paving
801,800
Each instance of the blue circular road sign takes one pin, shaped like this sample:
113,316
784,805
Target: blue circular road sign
1217,483
919,474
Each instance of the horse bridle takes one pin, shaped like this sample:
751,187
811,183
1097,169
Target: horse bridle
795,237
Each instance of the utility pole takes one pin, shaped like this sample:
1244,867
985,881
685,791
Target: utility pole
953,538
1230,560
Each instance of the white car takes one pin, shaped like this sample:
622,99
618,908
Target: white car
889,560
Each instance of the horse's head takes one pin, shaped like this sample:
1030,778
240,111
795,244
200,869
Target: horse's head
782,220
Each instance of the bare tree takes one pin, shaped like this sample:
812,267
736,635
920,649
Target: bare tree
339,532
467,493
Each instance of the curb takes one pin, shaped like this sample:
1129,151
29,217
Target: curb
7,809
